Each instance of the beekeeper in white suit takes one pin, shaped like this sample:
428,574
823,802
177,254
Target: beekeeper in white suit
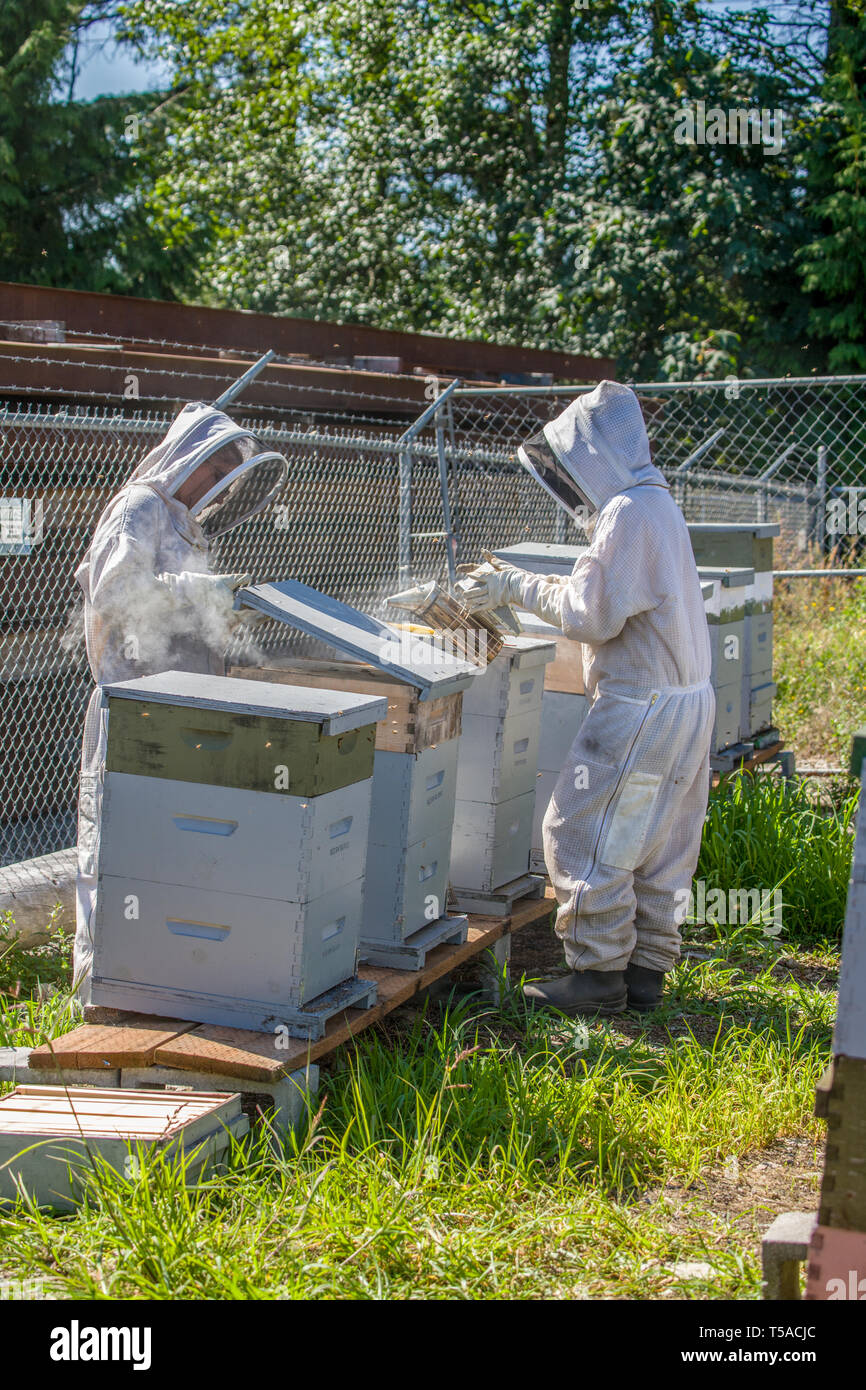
151,602
623,828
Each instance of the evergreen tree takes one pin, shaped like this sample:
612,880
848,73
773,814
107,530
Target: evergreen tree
68,213
835,261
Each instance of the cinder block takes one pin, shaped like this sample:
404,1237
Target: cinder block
15,1066
784,1248
289,1096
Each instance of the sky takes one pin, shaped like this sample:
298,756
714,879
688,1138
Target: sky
108,69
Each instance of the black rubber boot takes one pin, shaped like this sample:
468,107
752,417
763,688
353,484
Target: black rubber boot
644,988
586,992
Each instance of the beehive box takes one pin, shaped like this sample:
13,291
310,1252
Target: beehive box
561,717
747,545
233,847
564,673
415,765
497,767
741,545
411,723
761,699
563,707
413,797
726,613
47,1131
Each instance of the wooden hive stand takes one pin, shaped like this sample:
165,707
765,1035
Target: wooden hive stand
276,1074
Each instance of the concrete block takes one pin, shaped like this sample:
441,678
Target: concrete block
288,1096
34,889
784,1247
495,969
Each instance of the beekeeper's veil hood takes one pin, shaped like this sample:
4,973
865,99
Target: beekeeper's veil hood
238,476
595,449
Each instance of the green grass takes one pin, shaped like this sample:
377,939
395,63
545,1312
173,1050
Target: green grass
473,1155
462,1153
820,665
761,833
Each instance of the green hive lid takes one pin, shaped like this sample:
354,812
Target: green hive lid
761,530
336,710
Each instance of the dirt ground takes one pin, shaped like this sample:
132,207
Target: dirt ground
747,1194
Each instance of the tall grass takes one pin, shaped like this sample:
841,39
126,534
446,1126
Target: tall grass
764,833
454,1164
820,664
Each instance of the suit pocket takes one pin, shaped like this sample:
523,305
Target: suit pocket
625,838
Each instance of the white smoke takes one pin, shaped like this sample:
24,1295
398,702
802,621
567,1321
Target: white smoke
144,626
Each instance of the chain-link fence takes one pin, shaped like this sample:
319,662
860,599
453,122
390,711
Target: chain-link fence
363,511
793,452
335,528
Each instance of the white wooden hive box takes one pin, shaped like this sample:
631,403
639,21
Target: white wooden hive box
46,1132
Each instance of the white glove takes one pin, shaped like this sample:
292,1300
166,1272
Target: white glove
189,586
491,586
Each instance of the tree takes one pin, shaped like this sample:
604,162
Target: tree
503,168
834,263
688,244
68,213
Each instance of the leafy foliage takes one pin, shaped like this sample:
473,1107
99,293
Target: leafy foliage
69,212
504,169
834,261
499,168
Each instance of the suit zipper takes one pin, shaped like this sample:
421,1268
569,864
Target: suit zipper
637,733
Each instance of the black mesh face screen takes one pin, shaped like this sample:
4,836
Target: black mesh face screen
551,472
248,494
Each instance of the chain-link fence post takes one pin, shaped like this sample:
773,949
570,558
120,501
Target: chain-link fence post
820,528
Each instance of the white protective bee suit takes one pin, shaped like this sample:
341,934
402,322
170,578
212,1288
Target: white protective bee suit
151,602
622,831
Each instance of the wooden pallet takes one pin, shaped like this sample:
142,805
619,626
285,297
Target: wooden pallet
413,952
111,1040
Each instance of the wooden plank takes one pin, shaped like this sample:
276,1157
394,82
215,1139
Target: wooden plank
255,1056
565,672
843,1187
224,1051
131,1044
